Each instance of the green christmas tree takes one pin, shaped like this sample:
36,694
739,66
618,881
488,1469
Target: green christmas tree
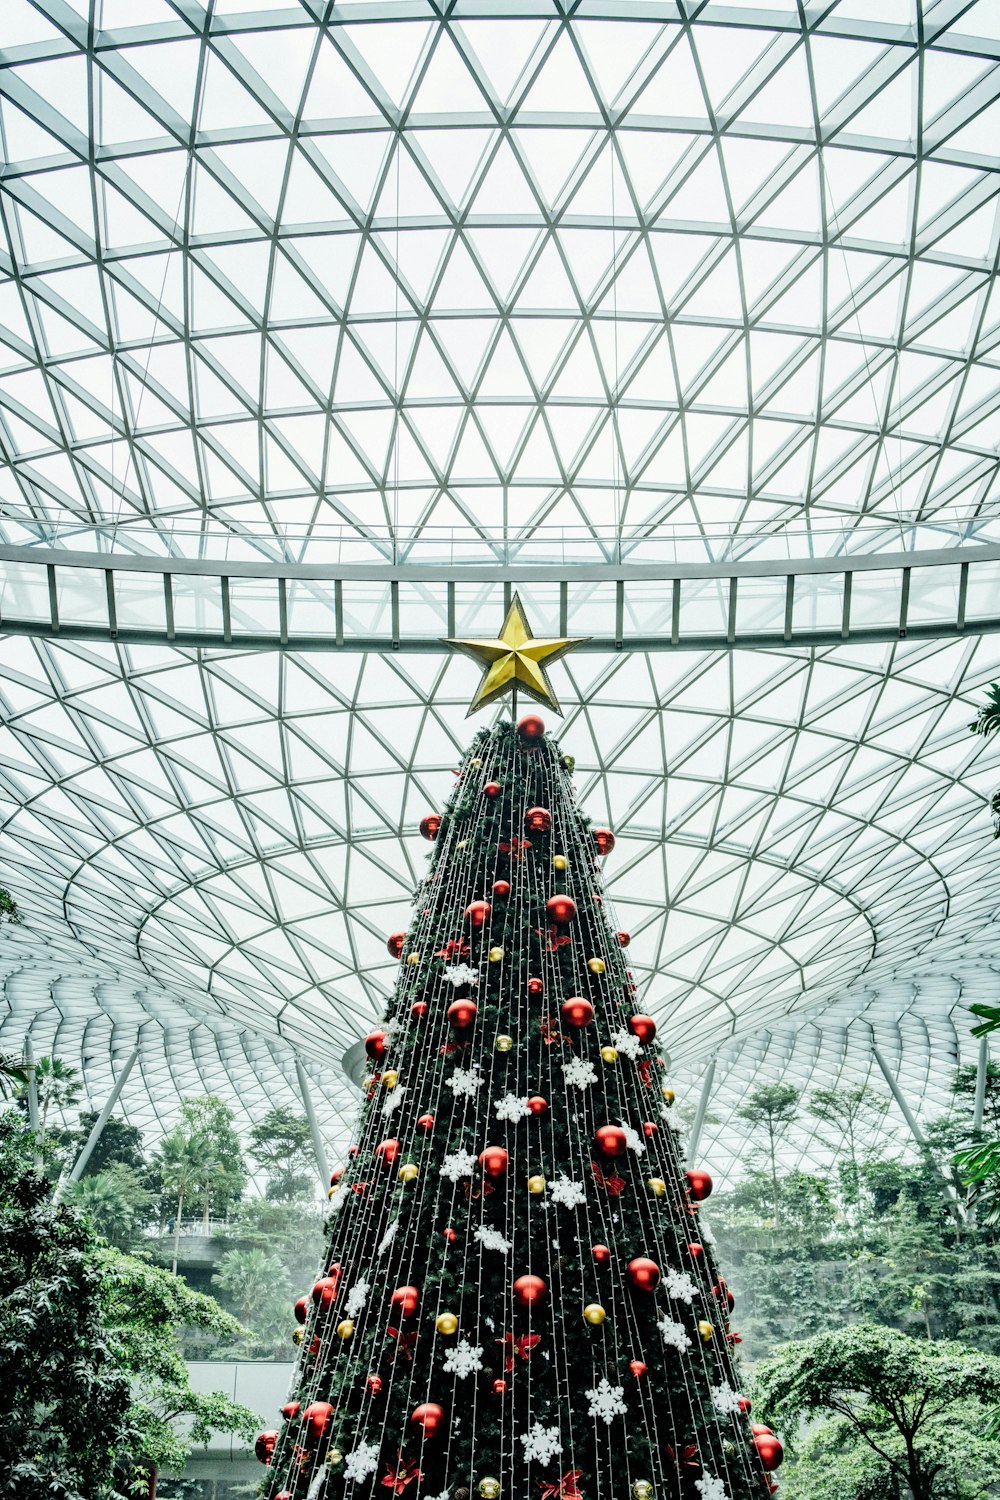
518,1297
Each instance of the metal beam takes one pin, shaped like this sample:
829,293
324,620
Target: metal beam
317,1141
33,1119
900,1098
97,1130
699,1119
982,1068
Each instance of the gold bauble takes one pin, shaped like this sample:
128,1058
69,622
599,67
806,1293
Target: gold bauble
594,1314
447,1324
462,844
609,1054
489,1489
367,1083
496,954
390,1079
667,1094
504,1043
345,1328
568,762
331,1192
558,861
413,959
642,1490
476,763
334,1458
536,1184
657,1186
298,1334
595,965
706,1330
409,1172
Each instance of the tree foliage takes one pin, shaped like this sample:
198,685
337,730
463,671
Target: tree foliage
279,1142
908,1413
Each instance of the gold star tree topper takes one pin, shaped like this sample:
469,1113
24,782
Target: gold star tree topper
515,660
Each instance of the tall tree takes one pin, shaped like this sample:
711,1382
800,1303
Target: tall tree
185,1162
115,1202
516,1294
59,1086
856,1119
772,1108
916,1411
211,1117
119,1143
280,1143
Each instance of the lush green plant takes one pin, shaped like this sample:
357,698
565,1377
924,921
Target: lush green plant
904,1416
13,1075
58,1084
280,1142
115,1202
258,1288
772,1108
9,911
144,1306
223,1186
65,1409
184,1163
118,1142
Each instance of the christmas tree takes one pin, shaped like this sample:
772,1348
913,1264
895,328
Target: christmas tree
518,1297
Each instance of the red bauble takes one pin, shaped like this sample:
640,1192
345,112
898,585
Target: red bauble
637,1367
643,1273
301,1309
264,1446
291,1409
316,1418
394,942
769,1451
451,1235
501,889
699,1184
757,1428
478,914
577,1011
648,1128
538,820
375,1045
529,1289
425,1122
746,1405
536,987
374,1384
429,825
624,938
388,1151
324,1291
336,1175
407,1299
493,1161
604,839
531,727
695,1250
429,1416
644,1027
499,1387
491,790
560,909
601,1254
611,1140
419,1009
537,1104
462,1013
287,1494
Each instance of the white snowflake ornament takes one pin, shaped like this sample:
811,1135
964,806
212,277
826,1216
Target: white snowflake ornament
674,1334
541,1444
711,1488
458,1164
461,974
510,1107
362,1462
606,1401
465,1359
465,1082
570,1194
579,1073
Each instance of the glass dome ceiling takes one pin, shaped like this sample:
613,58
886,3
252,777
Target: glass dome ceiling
315,284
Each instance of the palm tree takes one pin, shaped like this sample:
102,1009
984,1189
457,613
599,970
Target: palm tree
12,1072
58,1084
115,1202
185,1161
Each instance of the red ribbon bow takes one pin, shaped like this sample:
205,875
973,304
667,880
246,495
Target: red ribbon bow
612,1185
549,1031
451,1047
404,1341
556,939
453,948
405,1473
562,1489
522,1346
645,1070
515,847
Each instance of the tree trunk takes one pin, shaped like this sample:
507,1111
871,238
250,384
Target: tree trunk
774,1176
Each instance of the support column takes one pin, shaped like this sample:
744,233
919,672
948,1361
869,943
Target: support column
318,1152
32,1090
954,1203
982,1067
699,1119
97,1129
